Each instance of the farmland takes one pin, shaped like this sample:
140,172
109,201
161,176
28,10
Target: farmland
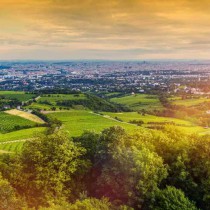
53,98
13,147
189,102
17,95
78,118
184,125
10,122
13,141
46,102
25,115
139,101
77,121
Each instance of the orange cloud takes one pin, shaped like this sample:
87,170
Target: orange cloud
132,28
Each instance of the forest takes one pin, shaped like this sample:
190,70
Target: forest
148,170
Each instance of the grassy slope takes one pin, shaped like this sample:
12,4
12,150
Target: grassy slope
75,122
8,122
21,134
60,97
11,147
184,125
16,136
127,116
52,99
19,95
25,115
139,101
189,102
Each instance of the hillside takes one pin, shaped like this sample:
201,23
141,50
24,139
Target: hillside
78,112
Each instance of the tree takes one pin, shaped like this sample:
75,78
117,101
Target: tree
89,204
131,172
124,169
8,196
171,199
45,170
199,171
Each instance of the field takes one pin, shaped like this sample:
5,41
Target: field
184,125
53,98
25,115
21,134
77,121
46,102
38,106
139,101
13,147
13,141
190,102
10,122
127,116
19,95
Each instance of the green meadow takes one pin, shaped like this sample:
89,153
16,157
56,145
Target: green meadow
47,101
14,140
139,101
21,134
18,95
190,102
128,116
53,98
183,125
77,121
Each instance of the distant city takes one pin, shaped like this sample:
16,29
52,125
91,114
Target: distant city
108,76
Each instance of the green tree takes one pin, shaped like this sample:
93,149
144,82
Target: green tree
8,196
132,171
171,199
199,171
124,169
45,170
88,204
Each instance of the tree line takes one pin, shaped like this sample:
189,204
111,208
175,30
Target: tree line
148,170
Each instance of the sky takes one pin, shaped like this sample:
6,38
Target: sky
104,29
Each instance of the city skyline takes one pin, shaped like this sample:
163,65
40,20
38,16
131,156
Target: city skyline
104,30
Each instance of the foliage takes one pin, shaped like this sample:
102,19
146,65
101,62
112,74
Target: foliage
129,172
44,171
171,199
8,196
86,204
147,169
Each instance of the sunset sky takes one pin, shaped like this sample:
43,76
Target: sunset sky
104,29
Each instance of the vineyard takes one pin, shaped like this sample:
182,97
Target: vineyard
10,123
46,102
13,147
13,141
138,101
53,98
18,95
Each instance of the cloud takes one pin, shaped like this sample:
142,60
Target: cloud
178,28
